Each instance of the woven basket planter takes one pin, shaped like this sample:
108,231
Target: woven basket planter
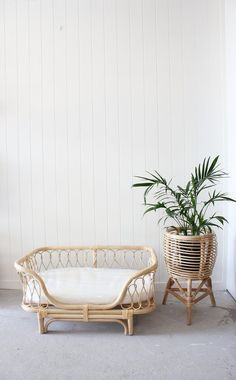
189,256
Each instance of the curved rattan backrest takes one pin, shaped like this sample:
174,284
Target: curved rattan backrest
134,257
189,256
143,259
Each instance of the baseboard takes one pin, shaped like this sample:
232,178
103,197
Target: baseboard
10,284
14,284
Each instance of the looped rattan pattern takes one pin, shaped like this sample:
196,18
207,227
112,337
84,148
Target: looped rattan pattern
139,288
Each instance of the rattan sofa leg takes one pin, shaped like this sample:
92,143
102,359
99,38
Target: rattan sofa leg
130,325
41,323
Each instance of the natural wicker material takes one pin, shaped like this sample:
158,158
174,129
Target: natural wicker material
189,258
141,258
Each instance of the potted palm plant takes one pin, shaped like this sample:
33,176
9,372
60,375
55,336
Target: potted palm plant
189,241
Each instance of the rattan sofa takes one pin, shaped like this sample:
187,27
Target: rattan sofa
102,283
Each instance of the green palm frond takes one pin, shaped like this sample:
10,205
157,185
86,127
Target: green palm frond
182,204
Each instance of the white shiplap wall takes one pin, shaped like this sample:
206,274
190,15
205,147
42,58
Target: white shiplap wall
230,52
93,93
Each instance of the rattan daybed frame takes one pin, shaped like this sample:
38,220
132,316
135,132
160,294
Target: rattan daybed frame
141,300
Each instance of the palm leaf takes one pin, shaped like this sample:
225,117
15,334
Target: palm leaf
181,205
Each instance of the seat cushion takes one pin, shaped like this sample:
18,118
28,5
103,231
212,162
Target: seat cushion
90,285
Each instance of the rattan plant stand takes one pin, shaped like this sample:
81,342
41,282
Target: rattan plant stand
135,297
189,259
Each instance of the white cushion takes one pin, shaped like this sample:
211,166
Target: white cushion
90,285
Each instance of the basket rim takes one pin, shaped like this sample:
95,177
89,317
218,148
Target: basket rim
173,234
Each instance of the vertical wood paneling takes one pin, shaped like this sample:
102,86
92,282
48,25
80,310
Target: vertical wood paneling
35,112
73,119
124,115
86,121
93,93
230,92
99,121
48,120
12,131
24,127
112,122
137,112
151,82
61,120
164,96
4,201
176,89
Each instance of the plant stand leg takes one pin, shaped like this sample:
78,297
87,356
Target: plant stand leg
189,302
210,292
168,286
